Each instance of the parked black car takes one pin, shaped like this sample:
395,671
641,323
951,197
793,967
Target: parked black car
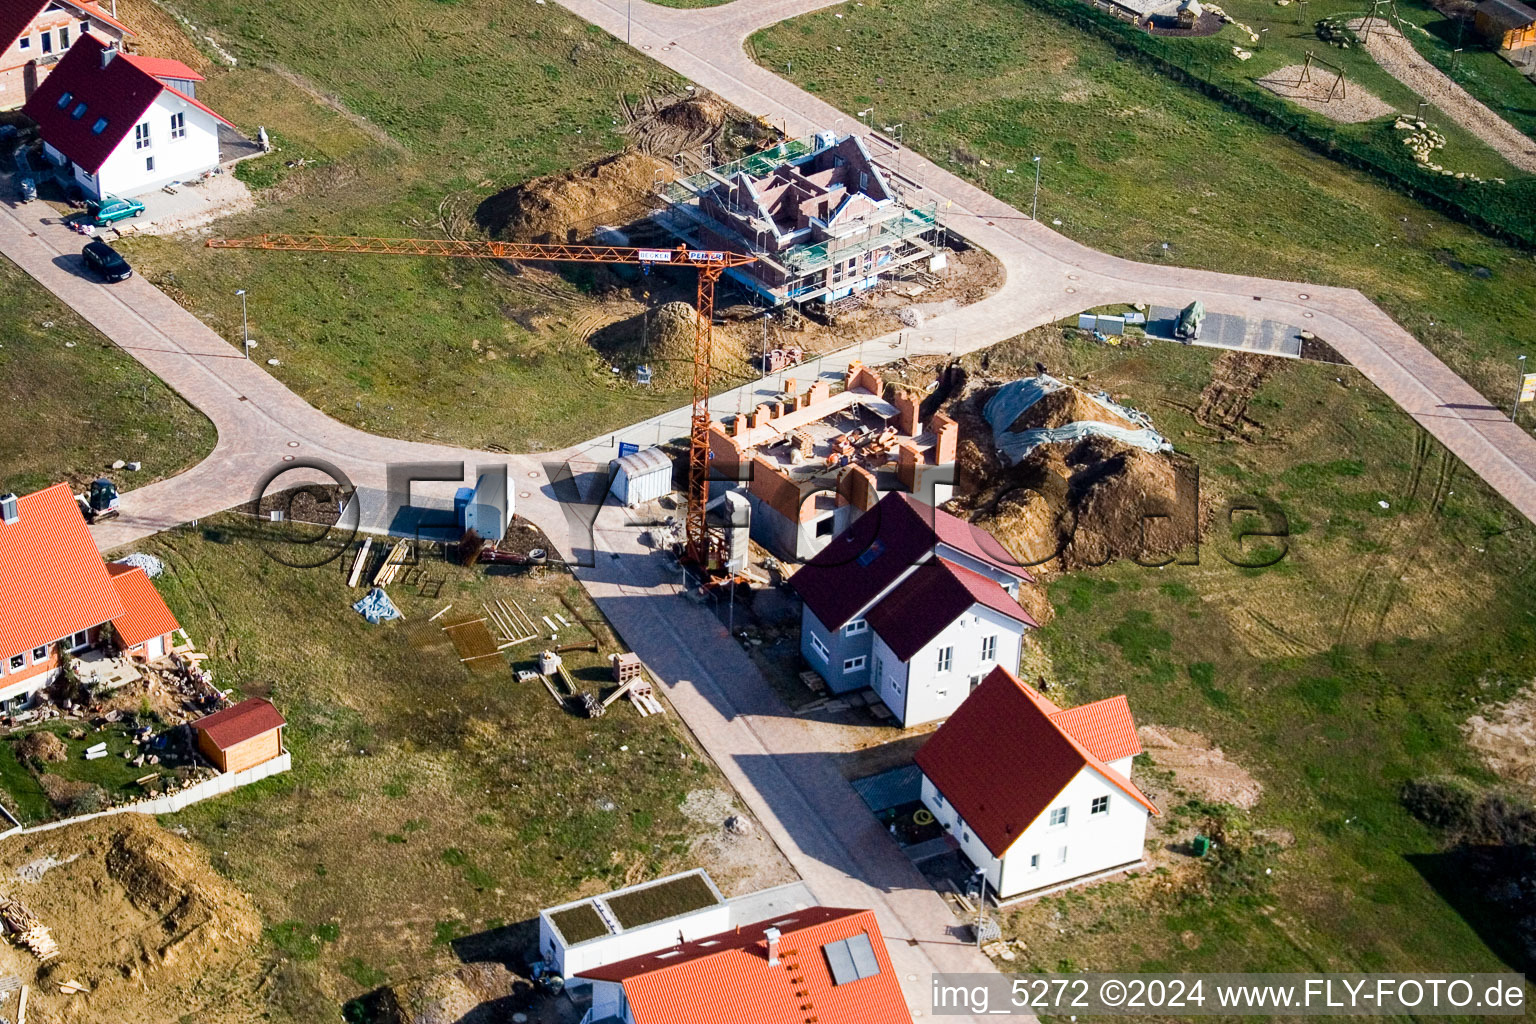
106,261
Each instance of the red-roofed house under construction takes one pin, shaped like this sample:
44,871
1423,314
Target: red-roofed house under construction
118,124
56,594
821,964
1040,798
811,462
916,603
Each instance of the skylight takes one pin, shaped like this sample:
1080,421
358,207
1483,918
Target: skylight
99,127
64,100
875,550
78,112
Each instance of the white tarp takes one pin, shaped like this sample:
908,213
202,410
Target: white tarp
1016,396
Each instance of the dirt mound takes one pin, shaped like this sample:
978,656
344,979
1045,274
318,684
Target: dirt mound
471,993
1068,405
664,340
1505,736
702,114
1199,767
141,920
42,746
570,207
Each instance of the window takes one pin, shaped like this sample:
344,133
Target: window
939,797
85,26
64,38
24,43
1061,855
39,654
824,527
946,658
853,664
178,125
141,136
79,640
99,127
47,38
875,550
1100,805
149,163
819,647
78,112
989,648
856,626
1034,862
64,100
18,662
1058,817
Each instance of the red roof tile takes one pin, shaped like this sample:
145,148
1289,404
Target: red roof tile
1002,758
163,67
1105,727
881,545
240,722
16,15
52,581
120,92
726,977
144,612
932,597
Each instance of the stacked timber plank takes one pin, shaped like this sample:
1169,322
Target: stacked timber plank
397,560
27,930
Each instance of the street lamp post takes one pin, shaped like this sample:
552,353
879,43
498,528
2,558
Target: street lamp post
1514,409
1034,205
245,326
629,20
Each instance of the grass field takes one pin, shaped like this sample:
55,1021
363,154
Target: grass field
74,403
1132,160
1333,677
406,120
426,803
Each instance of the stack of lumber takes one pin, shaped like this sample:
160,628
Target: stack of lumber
397,560
358,562
27,929
516,626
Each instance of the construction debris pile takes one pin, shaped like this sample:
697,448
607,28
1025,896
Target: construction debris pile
462,994
1066,479
570,207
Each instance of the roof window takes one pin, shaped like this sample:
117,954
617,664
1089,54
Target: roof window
78,112
99,127
64,100
851,959
875,550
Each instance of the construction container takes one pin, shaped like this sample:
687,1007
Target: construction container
640,477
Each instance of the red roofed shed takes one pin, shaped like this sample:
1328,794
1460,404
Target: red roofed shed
242,736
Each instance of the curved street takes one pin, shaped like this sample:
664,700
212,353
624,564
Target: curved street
776,762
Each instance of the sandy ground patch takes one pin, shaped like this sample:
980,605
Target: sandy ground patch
192,206
740,856
1199,767
1505,735
1354,106
1399,59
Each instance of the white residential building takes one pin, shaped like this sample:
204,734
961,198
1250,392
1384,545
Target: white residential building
1038,797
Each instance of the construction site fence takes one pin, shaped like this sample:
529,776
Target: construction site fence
227,782
1507,212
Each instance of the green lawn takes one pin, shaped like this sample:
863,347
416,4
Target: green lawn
74,403
427,111
1333,677
1133,160
425,803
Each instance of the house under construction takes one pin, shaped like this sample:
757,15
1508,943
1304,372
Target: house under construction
819,215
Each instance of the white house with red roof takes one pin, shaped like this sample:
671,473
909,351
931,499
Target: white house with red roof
36,34
822,964
122,124
58,594
915,603
1038,797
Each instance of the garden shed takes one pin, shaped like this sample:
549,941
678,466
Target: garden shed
242,736
641,476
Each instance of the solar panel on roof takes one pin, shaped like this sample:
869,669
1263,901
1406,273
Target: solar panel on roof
864,962
840,962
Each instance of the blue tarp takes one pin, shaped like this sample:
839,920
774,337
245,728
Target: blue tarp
1016,396
376,607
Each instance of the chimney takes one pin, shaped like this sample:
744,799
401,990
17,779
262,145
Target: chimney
906,403
946,436
107,55
772,935
9,509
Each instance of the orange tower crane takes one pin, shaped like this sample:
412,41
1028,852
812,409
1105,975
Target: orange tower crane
710,264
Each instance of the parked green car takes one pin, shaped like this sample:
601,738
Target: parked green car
110,208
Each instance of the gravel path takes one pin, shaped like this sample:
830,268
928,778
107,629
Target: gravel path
1399,59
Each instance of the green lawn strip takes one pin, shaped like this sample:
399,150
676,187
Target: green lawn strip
1132,160
74,402
1334,677
425,803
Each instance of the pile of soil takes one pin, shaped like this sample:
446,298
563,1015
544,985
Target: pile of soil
141,919
42,746
569,207
701,114
664,340
474,992
1199,767
1068,405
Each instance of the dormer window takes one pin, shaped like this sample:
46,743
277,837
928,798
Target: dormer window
64,100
